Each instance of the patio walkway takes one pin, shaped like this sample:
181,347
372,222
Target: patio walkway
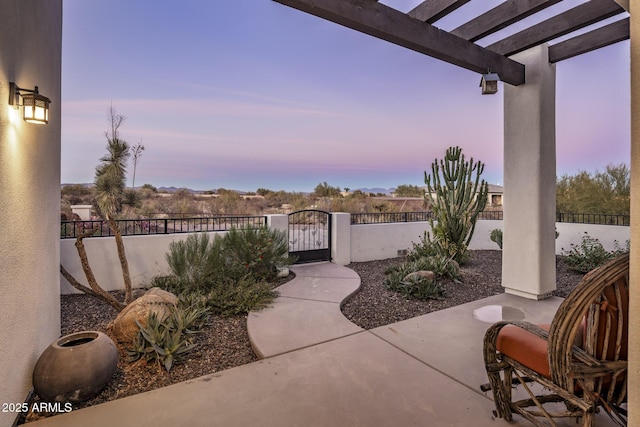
321,370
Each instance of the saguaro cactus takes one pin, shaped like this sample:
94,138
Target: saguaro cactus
457,196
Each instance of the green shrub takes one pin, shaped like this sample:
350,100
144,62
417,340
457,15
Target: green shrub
230,271
261,251
496,236
425,248
168,340
231,297
194,260
439,265
397,278
415,287
590,254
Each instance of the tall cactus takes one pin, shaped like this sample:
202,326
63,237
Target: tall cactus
457,196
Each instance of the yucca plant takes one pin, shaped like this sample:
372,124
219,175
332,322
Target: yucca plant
110,180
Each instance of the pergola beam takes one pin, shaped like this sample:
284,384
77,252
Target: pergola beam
601,37
430,11
386,23
500,17
560,25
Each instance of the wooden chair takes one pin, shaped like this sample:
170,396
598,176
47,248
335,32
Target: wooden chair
580,359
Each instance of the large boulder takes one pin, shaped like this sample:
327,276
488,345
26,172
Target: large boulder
422,274
125,328
165,295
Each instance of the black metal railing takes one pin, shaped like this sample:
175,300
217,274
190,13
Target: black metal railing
391,217
490,215
137,227
603,219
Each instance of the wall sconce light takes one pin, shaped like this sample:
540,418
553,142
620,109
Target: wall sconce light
489,83
36,106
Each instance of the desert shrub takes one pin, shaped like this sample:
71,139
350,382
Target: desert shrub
425,248
261,251
397,277
441,266
231,297
167,340
231,272
416,287
194,261
496,236
590,254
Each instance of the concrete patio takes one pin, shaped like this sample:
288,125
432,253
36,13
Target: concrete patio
321,370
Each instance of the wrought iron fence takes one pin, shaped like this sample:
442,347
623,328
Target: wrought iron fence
490,215
390,217
604,219
136,227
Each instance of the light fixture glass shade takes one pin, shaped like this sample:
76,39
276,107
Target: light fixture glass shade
36,108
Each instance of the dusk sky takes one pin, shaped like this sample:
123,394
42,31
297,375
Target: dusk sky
247,94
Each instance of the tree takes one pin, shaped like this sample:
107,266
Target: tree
405,190
149,187
605,192
457,196
110,178
136,153
325,190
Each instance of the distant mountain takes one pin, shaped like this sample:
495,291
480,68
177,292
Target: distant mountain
84,184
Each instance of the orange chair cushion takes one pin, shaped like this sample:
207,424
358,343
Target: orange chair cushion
525,347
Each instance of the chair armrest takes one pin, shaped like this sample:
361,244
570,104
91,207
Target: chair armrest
491,338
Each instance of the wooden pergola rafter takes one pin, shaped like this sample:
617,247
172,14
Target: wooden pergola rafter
417,29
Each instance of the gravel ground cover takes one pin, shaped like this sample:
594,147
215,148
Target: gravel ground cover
225,343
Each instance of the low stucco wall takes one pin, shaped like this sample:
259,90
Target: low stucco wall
608,235
351,243
145,255
371,242
380,241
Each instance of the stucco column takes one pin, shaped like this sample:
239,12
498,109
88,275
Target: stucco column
341,238
528,256
634,273
30,55
278,222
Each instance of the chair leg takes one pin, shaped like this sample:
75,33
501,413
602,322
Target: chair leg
588,419
501,393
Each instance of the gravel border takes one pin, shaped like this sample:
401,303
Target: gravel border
225,343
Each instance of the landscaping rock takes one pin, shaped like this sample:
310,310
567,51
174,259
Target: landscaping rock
124,327
165,295
283,272
422,274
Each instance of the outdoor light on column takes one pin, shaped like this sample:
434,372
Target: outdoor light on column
489,83
36,106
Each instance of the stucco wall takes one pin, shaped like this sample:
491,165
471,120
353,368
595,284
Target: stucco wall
30,55
381,241
145,255
351,243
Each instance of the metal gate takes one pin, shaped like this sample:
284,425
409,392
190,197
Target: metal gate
310,235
